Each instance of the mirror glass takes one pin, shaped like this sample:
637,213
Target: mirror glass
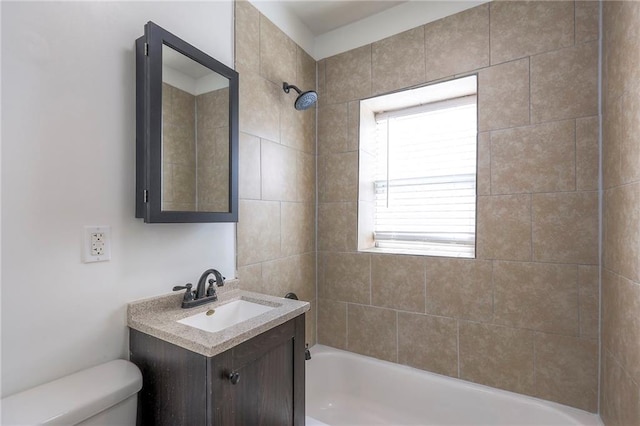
195,136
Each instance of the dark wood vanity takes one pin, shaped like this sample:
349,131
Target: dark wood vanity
257,382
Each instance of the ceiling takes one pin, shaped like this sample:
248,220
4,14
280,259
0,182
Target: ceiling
324,28
323,16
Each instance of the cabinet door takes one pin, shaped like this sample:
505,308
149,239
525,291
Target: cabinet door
173,382
270,386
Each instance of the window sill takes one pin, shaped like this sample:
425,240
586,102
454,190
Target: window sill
424,252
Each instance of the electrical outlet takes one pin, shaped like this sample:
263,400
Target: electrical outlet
97,243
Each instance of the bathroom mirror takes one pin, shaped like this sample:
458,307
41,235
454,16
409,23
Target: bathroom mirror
187,132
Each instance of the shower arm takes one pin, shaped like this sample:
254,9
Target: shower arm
286,86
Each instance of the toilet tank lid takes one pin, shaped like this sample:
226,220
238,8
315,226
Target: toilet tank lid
74,398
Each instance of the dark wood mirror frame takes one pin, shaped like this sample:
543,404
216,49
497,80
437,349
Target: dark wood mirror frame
149,128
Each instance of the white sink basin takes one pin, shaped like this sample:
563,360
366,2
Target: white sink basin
226,315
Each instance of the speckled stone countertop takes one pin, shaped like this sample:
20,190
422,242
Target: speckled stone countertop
158,316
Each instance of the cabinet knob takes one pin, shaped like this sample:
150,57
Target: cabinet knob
234,377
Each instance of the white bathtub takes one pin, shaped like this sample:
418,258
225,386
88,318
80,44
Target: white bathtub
343,388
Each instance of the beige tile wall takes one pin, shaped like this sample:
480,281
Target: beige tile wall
179,149
212,156
620,364
523,316
276,225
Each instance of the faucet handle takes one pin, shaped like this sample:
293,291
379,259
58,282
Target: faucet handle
211,290
188,295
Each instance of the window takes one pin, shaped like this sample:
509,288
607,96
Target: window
418,152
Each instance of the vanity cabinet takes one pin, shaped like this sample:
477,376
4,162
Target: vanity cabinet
258,382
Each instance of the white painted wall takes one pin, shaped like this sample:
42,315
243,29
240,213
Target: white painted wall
68,160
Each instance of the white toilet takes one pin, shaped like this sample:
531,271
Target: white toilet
103,395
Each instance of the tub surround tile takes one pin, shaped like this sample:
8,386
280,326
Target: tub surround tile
622,230
612,131
398,61
503,228
621,322
536,296
587,16
566,370
348,75
306,177
249,167
503,96
258,231
347,277
497,356
621,65
297,228
353,129
337,226
321,82
565,227
338,177
278,171
290,274
429,343
247,36
587,155
372,331
297,128
539,158
398,282
588,299
620,396
564,83
333,128
305,70
259,107
278,61
251,278
460,288
457,43
629,144
483,182
524,28
332,323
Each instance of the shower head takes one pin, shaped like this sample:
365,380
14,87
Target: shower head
304,100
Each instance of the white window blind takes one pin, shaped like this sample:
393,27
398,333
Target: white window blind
425,185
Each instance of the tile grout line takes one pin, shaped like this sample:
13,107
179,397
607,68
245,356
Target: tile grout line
578,297
458,345
346,321
397,338
535,361
532,257
575,154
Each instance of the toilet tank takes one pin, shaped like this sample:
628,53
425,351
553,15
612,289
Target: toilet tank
105,394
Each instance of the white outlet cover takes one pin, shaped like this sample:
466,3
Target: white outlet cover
90,240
